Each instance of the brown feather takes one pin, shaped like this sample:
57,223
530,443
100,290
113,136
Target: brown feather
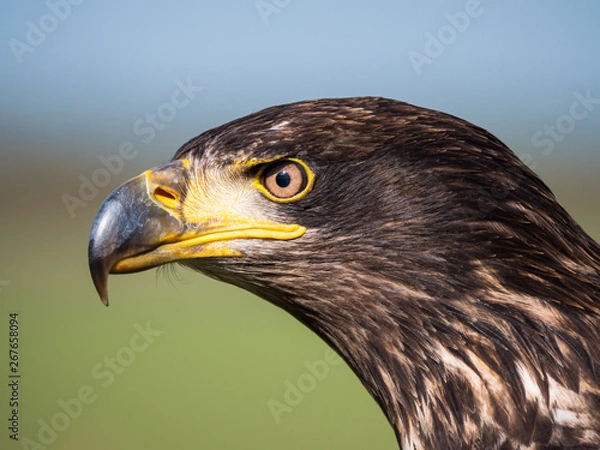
437,264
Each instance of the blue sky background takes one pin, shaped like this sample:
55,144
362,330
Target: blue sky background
513,69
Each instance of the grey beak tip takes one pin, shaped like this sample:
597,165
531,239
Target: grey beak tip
99,272
129,222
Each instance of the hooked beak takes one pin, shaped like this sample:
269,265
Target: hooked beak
144,223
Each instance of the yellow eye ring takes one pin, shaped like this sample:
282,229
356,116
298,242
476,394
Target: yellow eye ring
284,180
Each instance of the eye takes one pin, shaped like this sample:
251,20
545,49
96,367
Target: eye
285,180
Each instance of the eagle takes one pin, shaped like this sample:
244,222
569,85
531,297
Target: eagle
414,243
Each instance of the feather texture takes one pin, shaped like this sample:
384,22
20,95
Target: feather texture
438,265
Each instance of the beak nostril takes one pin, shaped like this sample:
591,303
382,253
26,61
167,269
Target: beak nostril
161,192
166,197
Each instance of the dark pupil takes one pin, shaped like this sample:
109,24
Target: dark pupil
283,179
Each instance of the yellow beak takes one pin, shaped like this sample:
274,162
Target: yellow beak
147,222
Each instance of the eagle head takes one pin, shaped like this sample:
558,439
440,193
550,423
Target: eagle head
416,244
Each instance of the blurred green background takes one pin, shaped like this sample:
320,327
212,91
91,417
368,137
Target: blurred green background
222,354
